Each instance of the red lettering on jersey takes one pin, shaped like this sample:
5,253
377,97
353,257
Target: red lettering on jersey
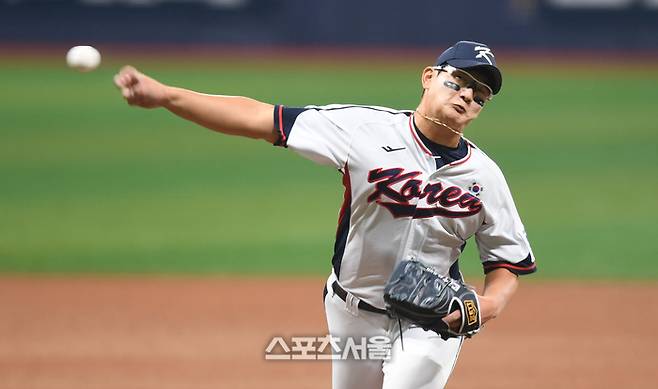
432,192
385,179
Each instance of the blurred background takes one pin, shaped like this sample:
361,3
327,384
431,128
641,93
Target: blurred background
521,24
90,185
93,189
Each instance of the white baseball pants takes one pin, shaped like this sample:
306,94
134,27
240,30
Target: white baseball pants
425,362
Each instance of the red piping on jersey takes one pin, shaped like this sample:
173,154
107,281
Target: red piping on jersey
413,133
425,149
466,158
497,265
283,134
347,197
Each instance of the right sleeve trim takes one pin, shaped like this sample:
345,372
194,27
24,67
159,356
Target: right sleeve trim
526,266
284,119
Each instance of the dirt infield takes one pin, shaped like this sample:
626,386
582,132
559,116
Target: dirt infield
212,333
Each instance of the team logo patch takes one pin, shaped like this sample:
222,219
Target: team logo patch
475,188
471,312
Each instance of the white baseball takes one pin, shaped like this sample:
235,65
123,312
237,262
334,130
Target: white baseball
83,58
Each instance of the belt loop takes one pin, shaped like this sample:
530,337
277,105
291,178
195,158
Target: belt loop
352,304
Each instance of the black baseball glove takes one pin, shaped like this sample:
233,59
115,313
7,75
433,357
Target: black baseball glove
417,293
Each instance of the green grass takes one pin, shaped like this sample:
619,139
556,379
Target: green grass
91,185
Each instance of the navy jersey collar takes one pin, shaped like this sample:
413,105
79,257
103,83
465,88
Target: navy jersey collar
447,154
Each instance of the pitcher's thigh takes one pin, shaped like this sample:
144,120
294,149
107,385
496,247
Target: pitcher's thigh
425,362
353,373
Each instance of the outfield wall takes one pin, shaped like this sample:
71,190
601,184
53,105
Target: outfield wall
522,24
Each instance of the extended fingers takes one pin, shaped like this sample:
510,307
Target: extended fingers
127,81
127,77
137,88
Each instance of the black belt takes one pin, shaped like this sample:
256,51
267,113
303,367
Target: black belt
342,293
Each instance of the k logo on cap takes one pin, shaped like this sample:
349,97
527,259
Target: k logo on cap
484,52
467,55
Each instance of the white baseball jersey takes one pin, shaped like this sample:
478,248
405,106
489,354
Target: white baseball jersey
405,196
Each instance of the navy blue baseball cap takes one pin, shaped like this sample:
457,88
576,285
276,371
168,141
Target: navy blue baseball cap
473,55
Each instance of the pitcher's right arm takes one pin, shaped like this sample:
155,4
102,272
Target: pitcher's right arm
232,115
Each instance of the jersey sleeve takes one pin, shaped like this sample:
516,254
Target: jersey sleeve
321,134
501,239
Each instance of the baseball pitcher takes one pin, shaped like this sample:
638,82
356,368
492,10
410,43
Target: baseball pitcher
415,191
